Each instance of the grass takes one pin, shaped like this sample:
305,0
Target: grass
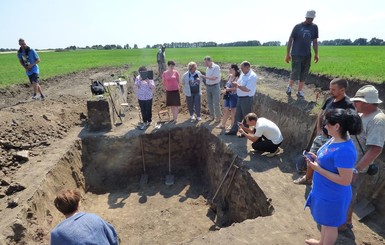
365,63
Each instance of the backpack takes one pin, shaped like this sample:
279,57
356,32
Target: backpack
97,88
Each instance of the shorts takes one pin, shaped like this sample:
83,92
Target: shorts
231,102
300,66
33,78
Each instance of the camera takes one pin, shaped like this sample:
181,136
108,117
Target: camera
147,75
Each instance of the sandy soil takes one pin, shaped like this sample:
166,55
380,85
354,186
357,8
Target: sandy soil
35,125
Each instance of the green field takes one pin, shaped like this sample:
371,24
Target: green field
366,63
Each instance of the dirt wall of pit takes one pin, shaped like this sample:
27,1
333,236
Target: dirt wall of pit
38,217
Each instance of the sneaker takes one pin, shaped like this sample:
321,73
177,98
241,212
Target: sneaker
231,133
34,97
288,91
303,181
142,127
300,94
192,118
199,118
42,97
272,154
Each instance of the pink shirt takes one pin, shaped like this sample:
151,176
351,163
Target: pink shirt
170,81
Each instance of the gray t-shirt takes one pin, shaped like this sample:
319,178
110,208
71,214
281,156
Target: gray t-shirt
303,35
373,131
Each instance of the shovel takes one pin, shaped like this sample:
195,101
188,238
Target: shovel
169,177
365,206
211,202
225,206
144,177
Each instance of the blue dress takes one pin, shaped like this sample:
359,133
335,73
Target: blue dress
329,201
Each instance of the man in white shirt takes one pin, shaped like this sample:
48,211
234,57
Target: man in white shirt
213,80
264,134
246,87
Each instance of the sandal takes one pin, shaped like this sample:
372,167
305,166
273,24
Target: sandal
345,227
303,181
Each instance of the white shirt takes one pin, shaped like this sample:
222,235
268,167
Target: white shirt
248,80
268,129
213,71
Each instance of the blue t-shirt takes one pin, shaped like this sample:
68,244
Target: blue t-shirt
303,35
84,228
29,58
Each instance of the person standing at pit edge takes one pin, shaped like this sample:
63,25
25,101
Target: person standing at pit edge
246,86
338,99
161,60
213,90
170,80
299,45
29,59
193,90
144,90
369,143
333,165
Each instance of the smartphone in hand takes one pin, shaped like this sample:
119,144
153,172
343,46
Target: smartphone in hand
308,156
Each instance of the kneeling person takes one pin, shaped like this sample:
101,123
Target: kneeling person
264,134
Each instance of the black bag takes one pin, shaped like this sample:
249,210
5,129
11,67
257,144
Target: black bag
97,88
373,168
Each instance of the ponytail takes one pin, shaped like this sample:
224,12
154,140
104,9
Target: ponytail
349,121
354,122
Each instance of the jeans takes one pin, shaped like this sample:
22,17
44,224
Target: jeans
213,94
146,110
244,106
194,104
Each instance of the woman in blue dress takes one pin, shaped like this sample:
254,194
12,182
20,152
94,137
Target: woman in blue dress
331,194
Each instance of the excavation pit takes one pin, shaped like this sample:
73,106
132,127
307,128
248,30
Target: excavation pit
107,169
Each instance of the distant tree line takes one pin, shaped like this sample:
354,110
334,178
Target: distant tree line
358,42
336,42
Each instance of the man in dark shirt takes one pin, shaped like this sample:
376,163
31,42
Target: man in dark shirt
161,60
299,44
338,99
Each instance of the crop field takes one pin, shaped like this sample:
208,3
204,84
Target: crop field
353,62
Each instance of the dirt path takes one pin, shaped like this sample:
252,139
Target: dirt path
35,125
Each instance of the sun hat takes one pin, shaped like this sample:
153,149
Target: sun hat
310,14
367,94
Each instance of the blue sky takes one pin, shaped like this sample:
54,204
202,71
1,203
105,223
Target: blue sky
58,24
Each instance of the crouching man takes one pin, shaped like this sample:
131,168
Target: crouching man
264,134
